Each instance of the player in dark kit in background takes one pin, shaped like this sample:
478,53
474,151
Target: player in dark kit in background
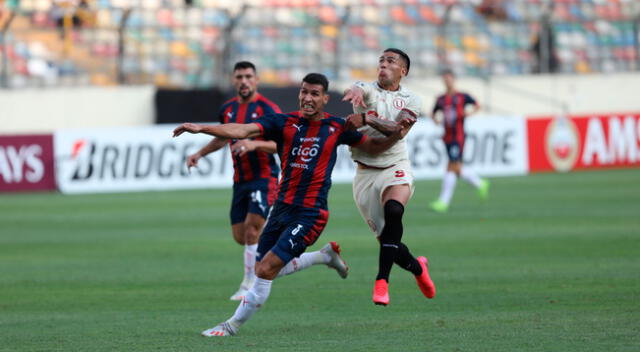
307,143
452,104
255,169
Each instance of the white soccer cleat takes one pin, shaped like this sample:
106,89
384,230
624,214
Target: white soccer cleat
222,329
335,261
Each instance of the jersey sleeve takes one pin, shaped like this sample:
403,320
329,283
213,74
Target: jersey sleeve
436,106
221,116
351,137
414,105
468,99
271,126
270,107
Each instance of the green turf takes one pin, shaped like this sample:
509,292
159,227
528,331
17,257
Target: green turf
550,263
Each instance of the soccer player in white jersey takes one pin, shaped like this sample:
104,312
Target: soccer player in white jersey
384,182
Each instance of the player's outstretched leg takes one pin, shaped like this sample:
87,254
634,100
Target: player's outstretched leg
328,255
332,251
251,302
418,267
390,238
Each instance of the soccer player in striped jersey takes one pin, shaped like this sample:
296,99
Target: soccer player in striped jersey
452,105
383,183
255,168
307,142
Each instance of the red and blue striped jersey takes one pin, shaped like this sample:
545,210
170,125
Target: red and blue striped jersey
308,152
257,164
452,107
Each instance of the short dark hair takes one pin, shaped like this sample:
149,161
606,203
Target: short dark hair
241,65
403,55
317,78
447,71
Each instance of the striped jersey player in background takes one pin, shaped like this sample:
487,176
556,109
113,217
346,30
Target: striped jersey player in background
383,183
255,168
307,142
452,105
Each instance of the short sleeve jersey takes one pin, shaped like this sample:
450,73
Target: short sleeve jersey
308,152
386,105
257,164
453,109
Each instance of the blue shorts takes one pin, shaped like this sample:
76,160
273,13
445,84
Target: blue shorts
454,151
250,197
290,229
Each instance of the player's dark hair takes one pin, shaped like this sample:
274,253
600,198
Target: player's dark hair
447,71
241,65
317,78
403,55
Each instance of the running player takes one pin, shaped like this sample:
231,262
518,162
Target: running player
255,169
384,182
453,105
307,142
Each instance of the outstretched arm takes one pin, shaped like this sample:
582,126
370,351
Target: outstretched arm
355,95
244,146
376,145
213,145
229,130
386,127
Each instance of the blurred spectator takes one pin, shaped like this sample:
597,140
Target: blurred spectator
492,10
40,65
77,10
544,47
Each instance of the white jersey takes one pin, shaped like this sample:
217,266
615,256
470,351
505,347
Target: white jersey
386,105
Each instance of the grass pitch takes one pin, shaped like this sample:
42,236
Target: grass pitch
550,263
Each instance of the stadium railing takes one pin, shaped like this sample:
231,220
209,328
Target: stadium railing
170,43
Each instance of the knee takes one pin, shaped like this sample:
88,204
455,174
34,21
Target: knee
260,270
239,238
251,234
393,210
266,271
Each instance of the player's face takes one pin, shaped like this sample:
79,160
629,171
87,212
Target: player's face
245,81
448,80
312,99
391,68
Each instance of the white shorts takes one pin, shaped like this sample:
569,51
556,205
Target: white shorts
368,186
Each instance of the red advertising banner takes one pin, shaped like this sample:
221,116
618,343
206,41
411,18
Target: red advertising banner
564,143
26,163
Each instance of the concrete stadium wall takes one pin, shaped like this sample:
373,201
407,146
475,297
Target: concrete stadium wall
46,110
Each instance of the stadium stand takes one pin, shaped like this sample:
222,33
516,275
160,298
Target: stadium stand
170,43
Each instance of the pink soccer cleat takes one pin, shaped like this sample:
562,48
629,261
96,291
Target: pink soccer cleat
424,281
381,292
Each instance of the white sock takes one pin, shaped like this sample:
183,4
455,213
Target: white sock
448,186
252,301
249,264
304,261
470,177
